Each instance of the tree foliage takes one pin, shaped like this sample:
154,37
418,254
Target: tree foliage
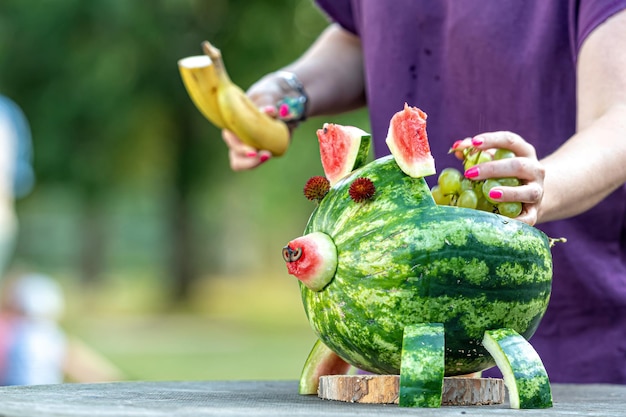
99,80
99,83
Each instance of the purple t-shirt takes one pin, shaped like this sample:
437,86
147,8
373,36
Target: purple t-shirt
475,66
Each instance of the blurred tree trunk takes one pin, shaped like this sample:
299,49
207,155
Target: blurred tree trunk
182,259
181,244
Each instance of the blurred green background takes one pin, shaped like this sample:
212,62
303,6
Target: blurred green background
171,263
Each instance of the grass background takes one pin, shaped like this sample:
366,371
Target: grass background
251,327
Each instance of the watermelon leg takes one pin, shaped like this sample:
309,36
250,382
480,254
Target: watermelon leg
524,374
321,361
422,366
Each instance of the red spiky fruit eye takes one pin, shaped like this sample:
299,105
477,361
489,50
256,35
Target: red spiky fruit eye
316,188
362,189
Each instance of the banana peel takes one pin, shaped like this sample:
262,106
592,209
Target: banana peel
227,106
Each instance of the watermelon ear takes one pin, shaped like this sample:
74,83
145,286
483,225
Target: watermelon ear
342,149
408,142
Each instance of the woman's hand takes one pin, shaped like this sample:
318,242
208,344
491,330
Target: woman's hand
242,156
265,93
331,72
525,166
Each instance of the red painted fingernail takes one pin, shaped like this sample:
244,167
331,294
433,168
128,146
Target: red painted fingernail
264,158
251,154
472,172
477,141
456,144
283,110
495,194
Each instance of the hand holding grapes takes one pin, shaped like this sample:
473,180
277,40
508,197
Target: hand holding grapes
501,174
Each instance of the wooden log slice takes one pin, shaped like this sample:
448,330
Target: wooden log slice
383,389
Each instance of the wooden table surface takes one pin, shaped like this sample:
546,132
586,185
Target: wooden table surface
265,398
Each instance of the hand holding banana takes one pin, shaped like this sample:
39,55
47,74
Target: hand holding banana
227,106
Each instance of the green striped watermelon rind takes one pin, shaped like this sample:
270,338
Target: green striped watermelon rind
523,371
363,152
404,260
422,369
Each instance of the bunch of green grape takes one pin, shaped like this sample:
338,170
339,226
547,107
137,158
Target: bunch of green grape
453,189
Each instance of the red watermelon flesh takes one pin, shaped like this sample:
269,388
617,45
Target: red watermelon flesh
342,150
408,142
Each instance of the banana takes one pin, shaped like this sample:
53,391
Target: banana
227,106
242,116
202,83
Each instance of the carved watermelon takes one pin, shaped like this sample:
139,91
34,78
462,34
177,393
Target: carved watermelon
402,261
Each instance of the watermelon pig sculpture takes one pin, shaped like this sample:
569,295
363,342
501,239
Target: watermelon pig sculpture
393,283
